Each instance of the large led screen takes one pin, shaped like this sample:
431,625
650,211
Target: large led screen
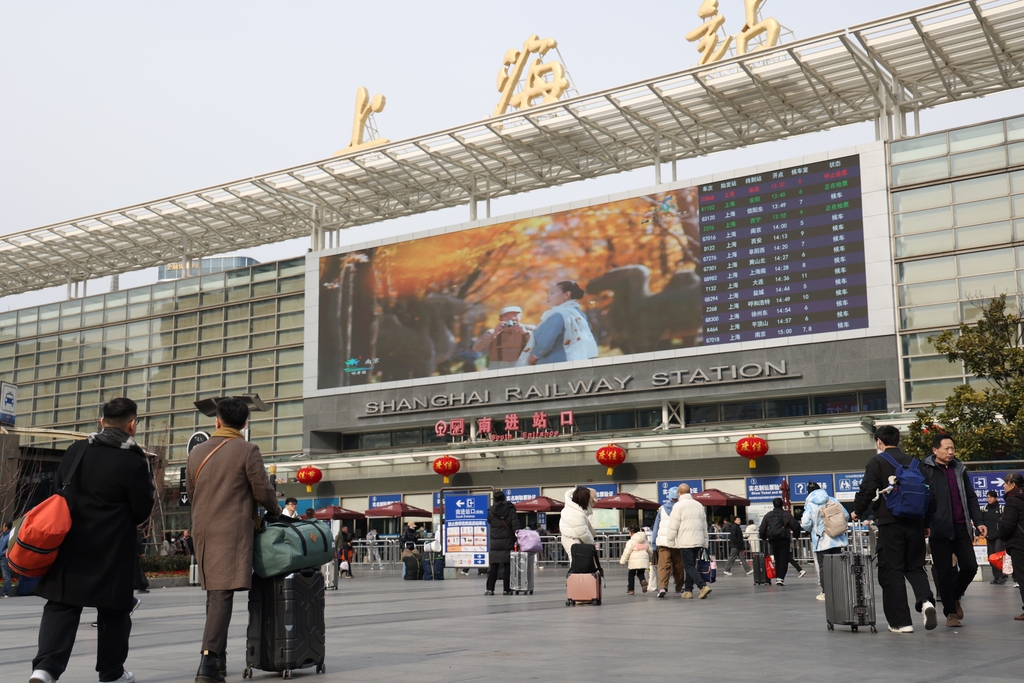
780,254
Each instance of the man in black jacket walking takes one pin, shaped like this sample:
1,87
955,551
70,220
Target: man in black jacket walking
111,492
901,546
775,529
736,546
950,528
990,515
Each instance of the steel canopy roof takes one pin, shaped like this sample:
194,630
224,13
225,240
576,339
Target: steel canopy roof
936,55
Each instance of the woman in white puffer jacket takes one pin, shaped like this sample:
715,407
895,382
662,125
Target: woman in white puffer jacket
576,524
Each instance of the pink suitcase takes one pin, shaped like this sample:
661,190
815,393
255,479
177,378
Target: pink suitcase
583,588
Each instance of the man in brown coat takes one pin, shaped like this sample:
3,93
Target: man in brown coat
225,478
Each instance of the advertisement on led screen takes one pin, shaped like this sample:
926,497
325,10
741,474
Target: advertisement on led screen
778,254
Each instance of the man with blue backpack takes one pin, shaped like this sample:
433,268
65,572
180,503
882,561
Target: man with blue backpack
896,490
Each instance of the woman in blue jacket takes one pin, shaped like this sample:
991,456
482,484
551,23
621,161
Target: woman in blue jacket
814,522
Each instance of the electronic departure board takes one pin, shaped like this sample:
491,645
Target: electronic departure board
782,253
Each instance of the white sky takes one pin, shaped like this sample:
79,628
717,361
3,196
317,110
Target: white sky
107,104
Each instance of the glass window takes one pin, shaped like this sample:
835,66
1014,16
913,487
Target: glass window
288,304
585,423
267,324
976,137
212,282
185,370
263,308
786,407
922,198
930,391
928,243
1015,154
623,420
115,315
261,376
287,356
264,289
189,286
925,271
236,379
986,235
211,332
929,316
376,440
701,414
294,409
238,344
930,366
290,320
262,341
291,267
139,294
649,418
984,287
406,437
1015,129
747,410
350,442
213,316
970,311
291,373
292,426
918,148
983,262
976,162
164,290
213,298
1018,210
923,221
240,293
239,328
982,212
264,272
288,443
186,336
979,188
187,320
916,344
289,337
292,284
834,404
920,172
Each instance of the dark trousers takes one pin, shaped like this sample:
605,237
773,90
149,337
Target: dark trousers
736,554
819,559
57,631
901,551
506,576
633,575
689,557
953,581
1017,556
218,618
783,556
141,582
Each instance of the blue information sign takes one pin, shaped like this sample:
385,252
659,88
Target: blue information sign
604,490
519,495
696,486
984,482
465,529
381,501
764,489
798,485
847,485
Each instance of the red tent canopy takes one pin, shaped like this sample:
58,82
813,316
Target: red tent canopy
714,497
398,510
626,501
334,512
539,504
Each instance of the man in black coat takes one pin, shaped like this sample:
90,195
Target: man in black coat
737,545
990,515
775,530
504,523
951,527
901,546
110,493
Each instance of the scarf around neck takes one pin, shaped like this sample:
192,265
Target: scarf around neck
228,433
114,438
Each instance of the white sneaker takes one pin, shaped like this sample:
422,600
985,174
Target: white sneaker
802,574
821,596
780,582
126,677
727,573
40,676
749,572
902,629
928,612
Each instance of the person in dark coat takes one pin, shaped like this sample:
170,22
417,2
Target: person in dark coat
110,494
775,531
990,515
1011,528
901,546
736,547
504,523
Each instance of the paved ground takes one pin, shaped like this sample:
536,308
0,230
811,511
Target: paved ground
380,628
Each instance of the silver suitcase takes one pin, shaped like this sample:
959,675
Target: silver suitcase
523,568
848,580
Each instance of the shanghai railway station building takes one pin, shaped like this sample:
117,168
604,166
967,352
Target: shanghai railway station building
791,301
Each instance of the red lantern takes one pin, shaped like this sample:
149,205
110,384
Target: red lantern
611,456
446,466
309,475
752,447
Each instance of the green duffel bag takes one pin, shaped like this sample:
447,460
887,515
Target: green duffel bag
285,547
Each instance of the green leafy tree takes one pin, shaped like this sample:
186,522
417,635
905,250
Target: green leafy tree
987,423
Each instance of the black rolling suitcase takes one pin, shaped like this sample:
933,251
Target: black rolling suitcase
760,574
286,623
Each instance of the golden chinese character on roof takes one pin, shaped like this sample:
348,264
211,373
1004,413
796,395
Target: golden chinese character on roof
545,82
708,39
365,108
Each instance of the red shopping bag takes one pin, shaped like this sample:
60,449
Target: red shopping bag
769,566
996,559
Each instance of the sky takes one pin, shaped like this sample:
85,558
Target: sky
108,104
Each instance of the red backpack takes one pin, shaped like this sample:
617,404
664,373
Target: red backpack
36,540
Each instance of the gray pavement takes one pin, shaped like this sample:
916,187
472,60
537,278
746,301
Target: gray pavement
381,628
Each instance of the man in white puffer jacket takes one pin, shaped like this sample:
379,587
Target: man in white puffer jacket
688,525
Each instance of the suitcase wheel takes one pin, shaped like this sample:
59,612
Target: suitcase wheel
531,592
247,673
517,592
568,603
286,674
321,668
596,602
831,627
854,628
873,629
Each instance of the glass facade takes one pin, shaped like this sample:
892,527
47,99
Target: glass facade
165,346
958,218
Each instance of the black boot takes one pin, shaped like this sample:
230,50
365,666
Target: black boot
222,665
207,672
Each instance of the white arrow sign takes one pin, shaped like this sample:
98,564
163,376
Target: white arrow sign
460,503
